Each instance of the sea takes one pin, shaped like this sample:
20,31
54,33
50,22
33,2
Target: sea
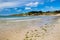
45,19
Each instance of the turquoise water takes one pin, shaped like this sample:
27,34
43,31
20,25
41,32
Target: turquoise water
45,19
40,20
25,17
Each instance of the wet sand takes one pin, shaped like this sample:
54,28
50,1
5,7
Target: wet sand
30,30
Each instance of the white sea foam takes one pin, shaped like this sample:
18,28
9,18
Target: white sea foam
23,20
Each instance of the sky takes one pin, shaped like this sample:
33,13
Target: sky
8,7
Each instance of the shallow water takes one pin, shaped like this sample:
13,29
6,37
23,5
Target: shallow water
29,20
26,17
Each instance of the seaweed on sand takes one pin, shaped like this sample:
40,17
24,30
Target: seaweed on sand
44,29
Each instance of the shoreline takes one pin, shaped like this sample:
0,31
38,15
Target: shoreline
29,30
25,18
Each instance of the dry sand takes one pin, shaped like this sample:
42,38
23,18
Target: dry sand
13,31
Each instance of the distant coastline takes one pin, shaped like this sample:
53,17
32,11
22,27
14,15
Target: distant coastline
35,13
38,13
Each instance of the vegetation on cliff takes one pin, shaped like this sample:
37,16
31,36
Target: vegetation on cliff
36,13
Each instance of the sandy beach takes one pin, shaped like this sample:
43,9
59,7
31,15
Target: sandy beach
30,30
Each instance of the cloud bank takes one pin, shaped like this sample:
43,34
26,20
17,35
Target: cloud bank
32,4
17,3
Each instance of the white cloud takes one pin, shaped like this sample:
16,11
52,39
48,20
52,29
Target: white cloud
19,10
27,8
12,3
52,0
7,10
15,8
32,4
42,3
17,3
7,0
49,8
8,4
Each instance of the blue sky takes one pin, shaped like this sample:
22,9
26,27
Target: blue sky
8,7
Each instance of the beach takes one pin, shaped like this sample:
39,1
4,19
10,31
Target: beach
44,28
